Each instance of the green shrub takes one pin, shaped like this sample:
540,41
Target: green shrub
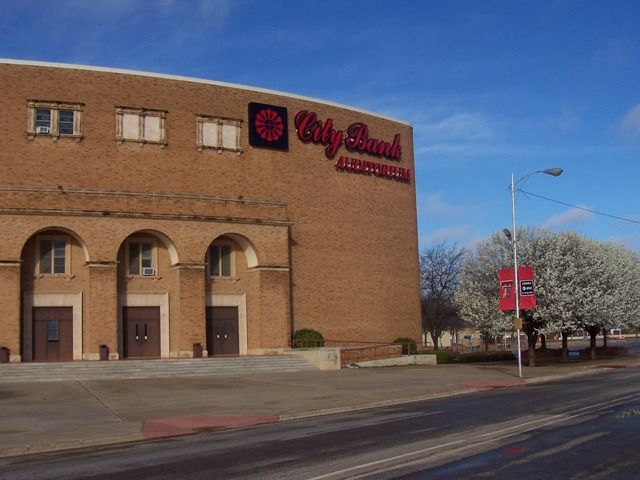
485,357
307,338
409,346
444,356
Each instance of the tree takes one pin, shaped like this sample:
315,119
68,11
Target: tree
477,295
615,292
440,268
579,283
557,282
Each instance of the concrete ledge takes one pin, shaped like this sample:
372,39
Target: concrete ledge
181,354
267,351
323,358
400,361
429,359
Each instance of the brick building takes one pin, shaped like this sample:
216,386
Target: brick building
146,214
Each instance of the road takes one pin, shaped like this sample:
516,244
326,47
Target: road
586,427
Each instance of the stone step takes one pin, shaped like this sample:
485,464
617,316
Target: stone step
69,371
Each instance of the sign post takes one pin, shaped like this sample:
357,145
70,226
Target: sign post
524,298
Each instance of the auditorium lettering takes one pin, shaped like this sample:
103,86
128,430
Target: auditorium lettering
355,138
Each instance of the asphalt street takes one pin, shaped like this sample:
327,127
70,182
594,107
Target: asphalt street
580,427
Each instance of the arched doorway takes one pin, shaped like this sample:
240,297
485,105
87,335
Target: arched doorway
52,281
144,286
227,281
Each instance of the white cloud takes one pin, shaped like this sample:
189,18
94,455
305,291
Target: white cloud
433,205
461,235
468,126
218,10
614,51
571,216
567,121
630,125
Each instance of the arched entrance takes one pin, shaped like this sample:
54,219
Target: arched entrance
227,281
52,283
144,285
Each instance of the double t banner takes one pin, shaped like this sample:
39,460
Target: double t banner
508,294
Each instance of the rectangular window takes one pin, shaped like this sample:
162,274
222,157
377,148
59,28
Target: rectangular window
140,125
46,256
59,247
151,131
54,119
53,330
53,256
65,122
220,261
146,259
130,126
43,118
134,259
218,133
142,258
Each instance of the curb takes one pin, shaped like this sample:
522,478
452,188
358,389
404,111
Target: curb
70,445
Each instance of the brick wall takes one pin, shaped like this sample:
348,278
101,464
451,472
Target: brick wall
334,251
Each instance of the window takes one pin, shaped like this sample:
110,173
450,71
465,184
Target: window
53,330
144,126
219,133
53,258
220,260
142,258
54,119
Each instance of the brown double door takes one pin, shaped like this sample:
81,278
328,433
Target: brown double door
222,331
141,330
52,334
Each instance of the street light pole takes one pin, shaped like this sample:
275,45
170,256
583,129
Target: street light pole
515,269
555,172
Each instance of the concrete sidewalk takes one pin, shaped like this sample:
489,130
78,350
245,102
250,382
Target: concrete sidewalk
48,416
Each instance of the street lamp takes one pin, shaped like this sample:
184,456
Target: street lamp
555,172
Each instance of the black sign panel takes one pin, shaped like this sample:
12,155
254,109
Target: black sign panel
268,126
526,287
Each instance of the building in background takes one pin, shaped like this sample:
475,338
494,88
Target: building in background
153,216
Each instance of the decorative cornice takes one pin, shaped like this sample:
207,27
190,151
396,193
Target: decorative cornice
10,263
118,193
102,264
279,268
188,266
142,215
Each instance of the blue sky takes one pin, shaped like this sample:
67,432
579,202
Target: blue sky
490,87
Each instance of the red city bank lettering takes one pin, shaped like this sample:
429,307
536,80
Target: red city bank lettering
358,140
311,129
355,165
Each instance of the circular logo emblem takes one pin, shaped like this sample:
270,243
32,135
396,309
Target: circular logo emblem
269,125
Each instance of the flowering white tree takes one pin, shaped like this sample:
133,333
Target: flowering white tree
477,295
558,282
614,286
579,283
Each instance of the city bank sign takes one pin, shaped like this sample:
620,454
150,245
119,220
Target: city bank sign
356,140
268,128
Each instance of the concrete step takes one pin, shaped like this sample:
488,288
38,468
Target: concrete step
122,369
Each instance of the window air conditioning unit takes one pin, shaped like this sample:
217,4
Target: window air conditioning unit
42,130
148,271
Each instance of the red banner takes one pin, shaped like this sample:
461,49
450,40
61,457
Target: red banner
507,293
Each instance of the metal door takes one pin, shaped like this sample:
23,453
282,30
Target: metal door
222,331
52,334
141,332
